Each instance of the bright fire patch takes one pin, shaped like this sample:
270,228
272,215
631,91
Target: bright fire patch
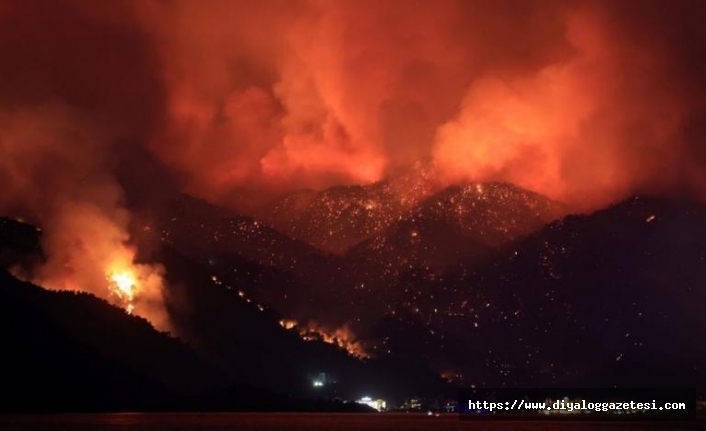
342,337
123,284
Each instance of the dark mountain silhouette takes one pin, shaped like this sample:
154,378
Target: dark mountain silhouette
236,341
246,338
270,267
451,226
19,242
460,319
611,298
65,351
72,352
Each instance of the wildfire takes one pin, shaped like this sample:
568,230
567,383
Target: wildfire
287,323
123,284
341,337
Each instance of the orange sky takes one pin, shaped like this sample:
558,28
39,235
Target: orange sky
584,101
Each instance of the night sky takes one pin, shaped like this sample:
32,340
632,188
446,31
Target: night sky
508,192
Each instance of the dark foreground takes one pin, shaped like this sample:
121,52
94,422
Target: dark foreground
301,422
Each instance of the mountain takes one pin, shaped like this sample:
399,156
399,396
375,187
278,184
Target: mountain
353,291
337,218
66,351
602,299
610,298
270,267
340,217
389,228
540,286
18,242
233,359
459,223
248,339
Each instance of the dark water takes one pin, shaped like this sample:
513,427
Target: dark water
302,422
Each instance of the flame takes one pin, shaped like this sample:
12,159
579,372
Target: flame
90,250
123,284
342,337
545,98
288,323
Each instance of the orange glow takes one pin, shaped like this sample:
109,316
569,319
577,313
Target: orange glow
345,339
345,92
89,252
341,337
124,284
287,323
587,102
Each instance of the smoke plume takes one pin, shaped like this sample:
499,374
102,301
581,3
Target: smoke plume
584,101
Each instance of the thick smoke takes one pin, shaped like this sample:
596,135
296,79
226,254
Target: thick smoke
73,87
586,102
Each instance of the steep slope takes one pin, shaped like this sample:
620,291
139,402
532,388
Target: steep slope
340,217
460,223
270,267
611,298
18,242
74,352
237,340
248,339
